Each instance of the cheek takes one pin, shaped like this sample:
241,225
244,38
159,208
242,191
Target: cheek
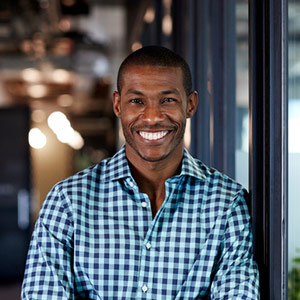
130,114
177,115
127,118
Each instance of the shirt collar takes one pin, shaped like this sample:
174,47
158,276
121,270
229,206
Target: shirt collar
117,167
192,167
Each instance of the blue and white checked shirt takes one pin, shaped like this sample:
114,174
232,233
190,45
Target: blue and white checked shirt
95,238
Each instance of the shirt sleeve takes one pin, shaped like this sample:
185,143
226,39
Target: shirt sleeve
237,273
48,272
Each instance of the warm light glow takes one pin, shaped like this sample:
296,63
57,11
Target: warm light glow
65,100
58,120
77,141
37,91
65,25
65,134
36,138
167,4
26,46
31,75
61,126
135,46
167,25
68,2
61,76
38,116
149,15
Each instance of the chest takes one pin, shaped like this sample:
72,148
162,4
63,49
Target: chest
125,251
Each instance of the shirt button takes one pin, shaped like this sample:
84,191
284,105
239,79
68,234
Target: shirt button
131,183
144,288
148,245
144,204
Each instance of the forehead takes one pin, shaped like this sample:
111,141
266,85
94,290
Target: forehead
152,76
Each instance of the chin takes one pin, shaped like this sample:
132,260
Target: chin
154,157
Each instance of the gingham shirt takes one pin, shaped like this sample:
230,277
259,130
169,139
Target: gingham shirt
95,238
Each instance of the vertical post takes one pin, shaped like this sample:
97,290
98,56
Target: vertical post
197,56
201,12
179,26
158,21
268,142
223,87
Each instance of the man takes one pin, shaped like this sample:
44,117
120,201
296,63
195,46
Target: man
152,222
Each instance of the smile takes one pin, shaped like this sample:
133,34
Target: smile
152,136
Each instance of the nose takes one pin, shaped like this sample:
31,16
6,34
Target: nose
152,114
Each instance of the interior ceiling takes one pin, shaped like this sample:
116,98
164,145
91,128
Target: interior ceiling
86,38
20,20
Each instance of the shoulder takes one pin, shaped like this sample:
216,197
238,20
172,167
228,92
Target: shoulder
220,180
65,195
222,198
214,180
220,194
88,179
108,169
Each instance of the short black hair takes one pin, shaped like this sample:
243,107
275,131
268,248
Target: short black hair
156,56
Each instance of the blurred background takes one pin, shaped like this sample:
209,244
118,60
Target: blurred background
58,65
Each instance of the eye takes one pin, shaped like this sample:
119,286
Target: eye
168,100
136,101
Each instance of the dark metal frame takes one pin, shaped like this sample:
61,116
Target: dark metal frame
196,52
213,126
268,142
223,87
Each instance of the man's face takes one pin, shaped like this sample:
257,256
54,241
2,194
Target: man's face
153,106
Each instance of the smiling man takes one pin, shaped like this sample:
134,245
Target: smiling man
152,222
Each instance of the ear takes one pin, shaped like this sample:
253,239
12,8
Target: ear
192,103
117,103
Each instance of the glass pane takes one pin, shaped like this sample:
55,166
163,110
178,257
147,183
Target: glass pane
242,94
294,151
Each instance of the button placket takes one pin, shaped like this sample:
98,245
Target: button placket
144,288
144,204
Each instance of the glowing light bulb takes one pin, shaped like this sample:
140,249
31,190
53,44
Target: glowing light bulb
58,120
77,141
31,75
61,126
36,138
37,91
61,76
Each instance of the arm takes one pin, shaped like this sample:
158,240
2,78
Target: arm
237,273
48,273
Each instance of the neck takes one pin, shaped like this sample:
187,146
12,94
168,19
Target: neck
154,171
151,176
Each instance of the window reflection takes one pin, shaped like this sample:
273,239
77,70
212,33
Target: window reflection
294,151
242,94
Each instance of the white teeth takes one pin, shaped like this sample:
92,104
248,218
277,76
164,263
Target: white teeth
152,136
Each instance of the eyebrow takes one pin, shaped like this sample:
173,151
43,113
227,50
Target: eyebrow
135,92
167,92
